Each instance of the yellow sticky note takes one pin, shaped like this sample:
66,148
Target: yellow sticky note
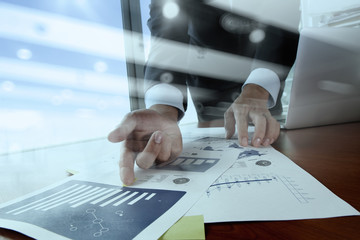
72,171
187,228
124,185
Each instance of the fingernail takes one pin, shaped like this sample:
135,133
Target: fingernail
244,141
257,141
158,137
128,182
228,135
125,174
266,142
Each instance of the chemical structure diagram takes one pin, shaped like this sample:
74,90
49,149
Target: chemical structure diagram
96,221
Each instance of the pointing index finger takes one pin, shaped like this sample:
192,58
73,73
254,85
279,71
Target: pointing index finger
126,165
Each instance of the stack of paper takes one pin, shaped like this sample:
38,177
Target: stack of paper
214,177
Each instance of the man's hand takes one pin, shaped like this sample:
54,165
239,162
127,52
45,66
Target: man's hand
150,135
251,106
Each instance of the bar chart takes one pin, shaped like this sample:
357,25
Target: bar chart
191,164
86,210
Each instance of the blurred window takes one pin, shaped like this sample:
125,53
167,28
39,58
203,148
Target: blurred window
63,74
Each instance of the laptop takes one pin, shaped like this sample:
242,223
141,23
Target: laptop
326,82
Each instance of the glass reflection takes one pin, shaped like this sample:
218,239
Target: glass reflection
62,71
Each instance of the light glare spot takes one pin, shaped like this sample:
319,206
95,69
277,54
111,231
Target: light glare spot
100,67
86,113
257,36
166,77
20,120
170,10
57,100
7,86
81,2
67,94
337,87
24,54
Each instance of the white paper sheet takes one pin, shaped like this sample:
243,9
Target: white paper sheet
264,184
94,205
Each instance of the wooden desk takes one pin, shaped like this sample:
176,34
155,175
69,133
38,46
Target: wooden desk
330,154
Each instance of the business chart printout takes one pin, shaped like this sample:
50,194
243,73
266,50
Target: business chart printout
95,205
263,184
213,176
86,210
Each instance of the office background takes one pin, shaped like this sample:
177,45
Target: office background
63,73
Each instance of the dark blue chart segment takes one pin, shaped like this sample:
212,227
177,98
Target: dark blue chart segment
250,153
217,144
88,210
190,164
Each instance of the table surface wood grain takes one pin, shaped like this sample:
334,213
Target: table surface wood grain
329,153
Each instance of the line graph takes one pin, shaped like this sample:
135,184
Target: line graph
244,181
259,183
239,181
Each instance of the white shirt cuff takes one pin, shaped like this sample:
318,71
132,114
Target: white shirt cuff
268,80
165,94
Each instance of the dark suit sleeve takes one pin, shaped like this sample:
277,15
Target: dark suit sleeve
277,51
175,30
